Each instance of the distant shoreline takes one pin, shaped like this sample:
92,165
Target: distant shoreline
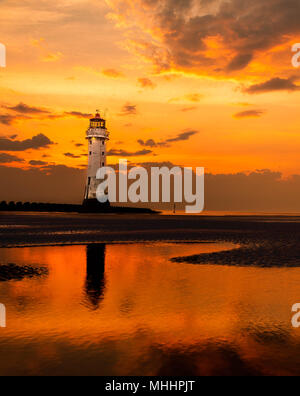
69,208
40,207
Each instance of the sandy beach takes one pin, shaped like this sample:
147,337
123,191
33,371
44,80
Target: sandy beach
262,240
149,295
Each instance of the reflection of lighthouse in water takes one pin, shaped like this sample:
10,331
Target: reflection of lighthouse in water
95,276
97,136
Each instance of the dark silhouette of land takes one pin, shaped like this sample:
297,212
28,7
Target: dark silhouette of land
69,208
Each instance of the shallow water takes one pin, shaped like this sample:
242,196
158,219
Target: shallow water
126,309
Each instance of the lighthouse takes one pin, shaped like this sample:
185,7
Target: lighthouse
97,136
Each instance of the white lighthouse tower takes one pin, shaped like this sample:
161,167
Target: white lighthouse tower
97,136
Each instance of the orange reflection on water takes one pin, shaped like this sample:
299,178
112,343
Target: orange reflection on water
126,309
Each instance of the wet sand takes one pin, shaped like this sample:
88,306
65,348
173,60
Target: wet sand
262,240
110,304
268,254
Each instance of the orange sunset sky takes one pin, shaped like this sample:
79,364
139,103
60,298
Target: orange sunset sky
191,82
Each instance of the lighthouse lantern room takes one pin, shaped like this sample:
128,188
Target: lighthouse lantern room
97,136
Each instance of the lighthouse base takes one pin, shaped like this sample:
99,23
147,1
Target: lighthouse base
94,206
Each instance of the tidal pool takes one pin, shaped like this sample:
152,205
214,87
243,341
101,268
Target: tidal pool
127,309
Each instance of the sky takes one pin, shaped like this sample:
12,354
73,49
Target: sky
193,82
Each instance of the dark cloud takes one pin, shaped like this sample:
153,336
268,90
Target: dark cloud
249,114
128,109
239,62
37,163
26,112
146,83
166,143
258,191
79,145
78,114
7,158
123,153
275,84
182,136
149,165
261,190
151,143
49,116
9,119
51,183
37,142
70,155
6,119
25,109
185,28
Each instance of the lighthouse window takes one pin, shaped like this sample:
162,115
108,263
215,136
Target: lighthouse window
90,153
103,153
103,164
95,124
